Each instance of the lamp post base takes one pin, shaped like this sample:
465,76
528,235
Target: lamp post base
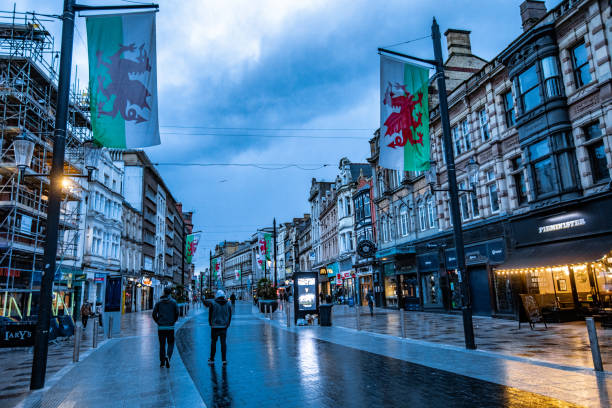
468,328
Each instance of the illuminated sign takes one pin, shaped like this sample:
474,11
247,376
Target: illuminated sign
323,271
307,294
562,226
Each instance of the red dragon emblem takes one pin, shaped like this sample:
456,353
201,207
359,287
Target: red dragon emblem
127,91
403,121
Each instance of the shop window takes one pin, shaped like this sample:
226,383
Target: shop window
580,62
529,87
550,73
465,129
457,145
597,154
366,205
509,109
484,125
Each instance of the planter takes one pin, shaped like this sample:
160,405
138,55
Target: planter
267,305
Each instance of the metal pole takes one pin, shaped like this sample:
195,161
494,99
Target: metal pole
210,271
590,323
95,333
77,344
402,323
288,313
275,281
468,327
110,327
357,317
41,338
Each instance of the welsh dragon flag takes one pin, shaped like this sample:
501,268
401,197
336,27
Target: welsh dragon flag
191,245
216,268
404,116
123,79
264,243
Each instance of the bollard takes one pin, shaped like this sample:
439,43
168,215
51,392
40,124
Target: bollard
358,317
110,327
95,333
402,323
288,315
590,323
77,344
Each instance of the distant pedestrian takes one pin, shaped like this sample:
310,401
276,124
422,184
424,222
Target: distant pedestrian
233,299
370,297
219,318
85,313
165,314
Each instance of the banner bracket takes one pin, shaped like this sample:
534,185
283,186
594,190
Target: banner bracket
399,54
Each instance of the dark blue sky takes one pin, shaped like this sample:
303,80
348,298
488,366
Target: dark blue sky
228,69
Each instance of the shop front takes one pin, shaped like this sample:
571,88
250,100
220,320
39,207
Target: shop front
365,283
562,261
348,281
327,278
428,265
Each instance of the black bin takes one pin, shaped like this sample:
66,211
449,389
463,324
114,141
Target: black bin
325,312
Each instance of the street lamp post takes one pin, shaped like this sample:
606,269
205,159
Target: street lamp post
468,327
41,337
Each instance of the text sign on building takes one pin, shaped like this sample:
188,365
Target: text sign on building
561,226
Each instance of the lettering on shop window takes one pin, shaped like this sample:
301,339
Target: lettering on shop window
562,226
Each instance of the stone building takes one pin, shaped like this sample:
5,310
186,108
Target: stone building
536,122
315,198
131,256
328,223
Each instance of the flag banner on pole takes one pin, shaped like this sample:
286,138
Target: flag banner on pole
264,243
216,268
404,116
123,79
191,245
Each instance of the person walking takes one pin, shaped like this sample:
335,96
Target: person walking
370,297
219,318
233,299
99,313
85,313
165,314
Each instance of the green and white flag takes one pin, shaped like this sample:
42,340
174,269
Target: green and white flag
123,79
404,116
191,245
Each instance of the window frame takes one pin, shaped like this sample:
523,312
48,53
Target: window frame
457,136
576,69
517,170
485,131
465,132
554,153
537,86
591,144
509,112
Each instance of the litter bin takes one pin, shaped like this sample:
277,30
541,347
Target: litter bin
325,315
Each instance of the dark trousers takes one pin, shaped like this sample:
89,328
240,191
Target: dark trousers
220,334
371,305
84,319
165,335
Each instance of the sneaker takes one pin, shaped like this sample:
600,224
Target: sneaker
167,362
211,362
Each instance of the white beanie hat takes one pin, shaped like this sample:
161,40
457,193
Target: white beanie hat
220,294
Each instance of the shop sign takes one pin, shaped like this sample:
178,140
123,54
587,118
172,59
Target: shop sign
99,277
428,262
332,269
493,252
11,273
18,335
147,281
561,226
322,271
389,269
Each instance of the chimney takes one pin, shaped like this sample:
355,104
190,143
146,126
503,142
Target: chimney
531,12
458,42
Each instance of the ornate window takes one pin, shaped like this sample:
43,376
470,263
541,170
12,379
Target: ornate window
509,109
597,154
553,165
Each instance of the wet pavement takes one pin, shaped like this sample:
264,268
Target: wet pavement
564,344
271,365
274,367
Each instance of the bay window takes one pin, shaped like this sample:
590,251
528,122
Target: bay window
529,88
553,165
550,73
596,151
509,109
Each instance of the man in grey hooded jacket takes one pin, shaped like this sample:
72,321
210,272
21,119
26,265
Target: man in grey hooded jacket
219,318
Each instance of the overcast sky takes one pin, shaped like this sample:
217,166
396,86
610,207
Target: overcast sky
228,69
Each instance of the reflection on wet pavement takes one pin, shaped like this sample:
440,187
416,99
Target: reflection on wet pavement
272,367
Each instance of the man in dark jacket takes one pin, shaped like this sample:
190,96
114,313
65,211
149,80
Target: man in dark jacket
219,318
165,314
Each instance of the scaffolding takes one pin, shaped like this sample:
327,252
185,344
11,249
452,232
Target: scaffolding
28,95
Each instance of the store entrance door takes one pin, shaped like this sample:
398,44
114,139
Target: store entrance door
479,290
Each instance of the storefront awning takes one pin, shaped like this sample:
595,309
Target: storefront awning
560,253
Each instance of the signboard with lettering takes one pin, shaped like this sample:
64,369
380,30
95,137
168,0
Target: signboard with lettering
428,262
18,335
580,219
306,299
493,252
